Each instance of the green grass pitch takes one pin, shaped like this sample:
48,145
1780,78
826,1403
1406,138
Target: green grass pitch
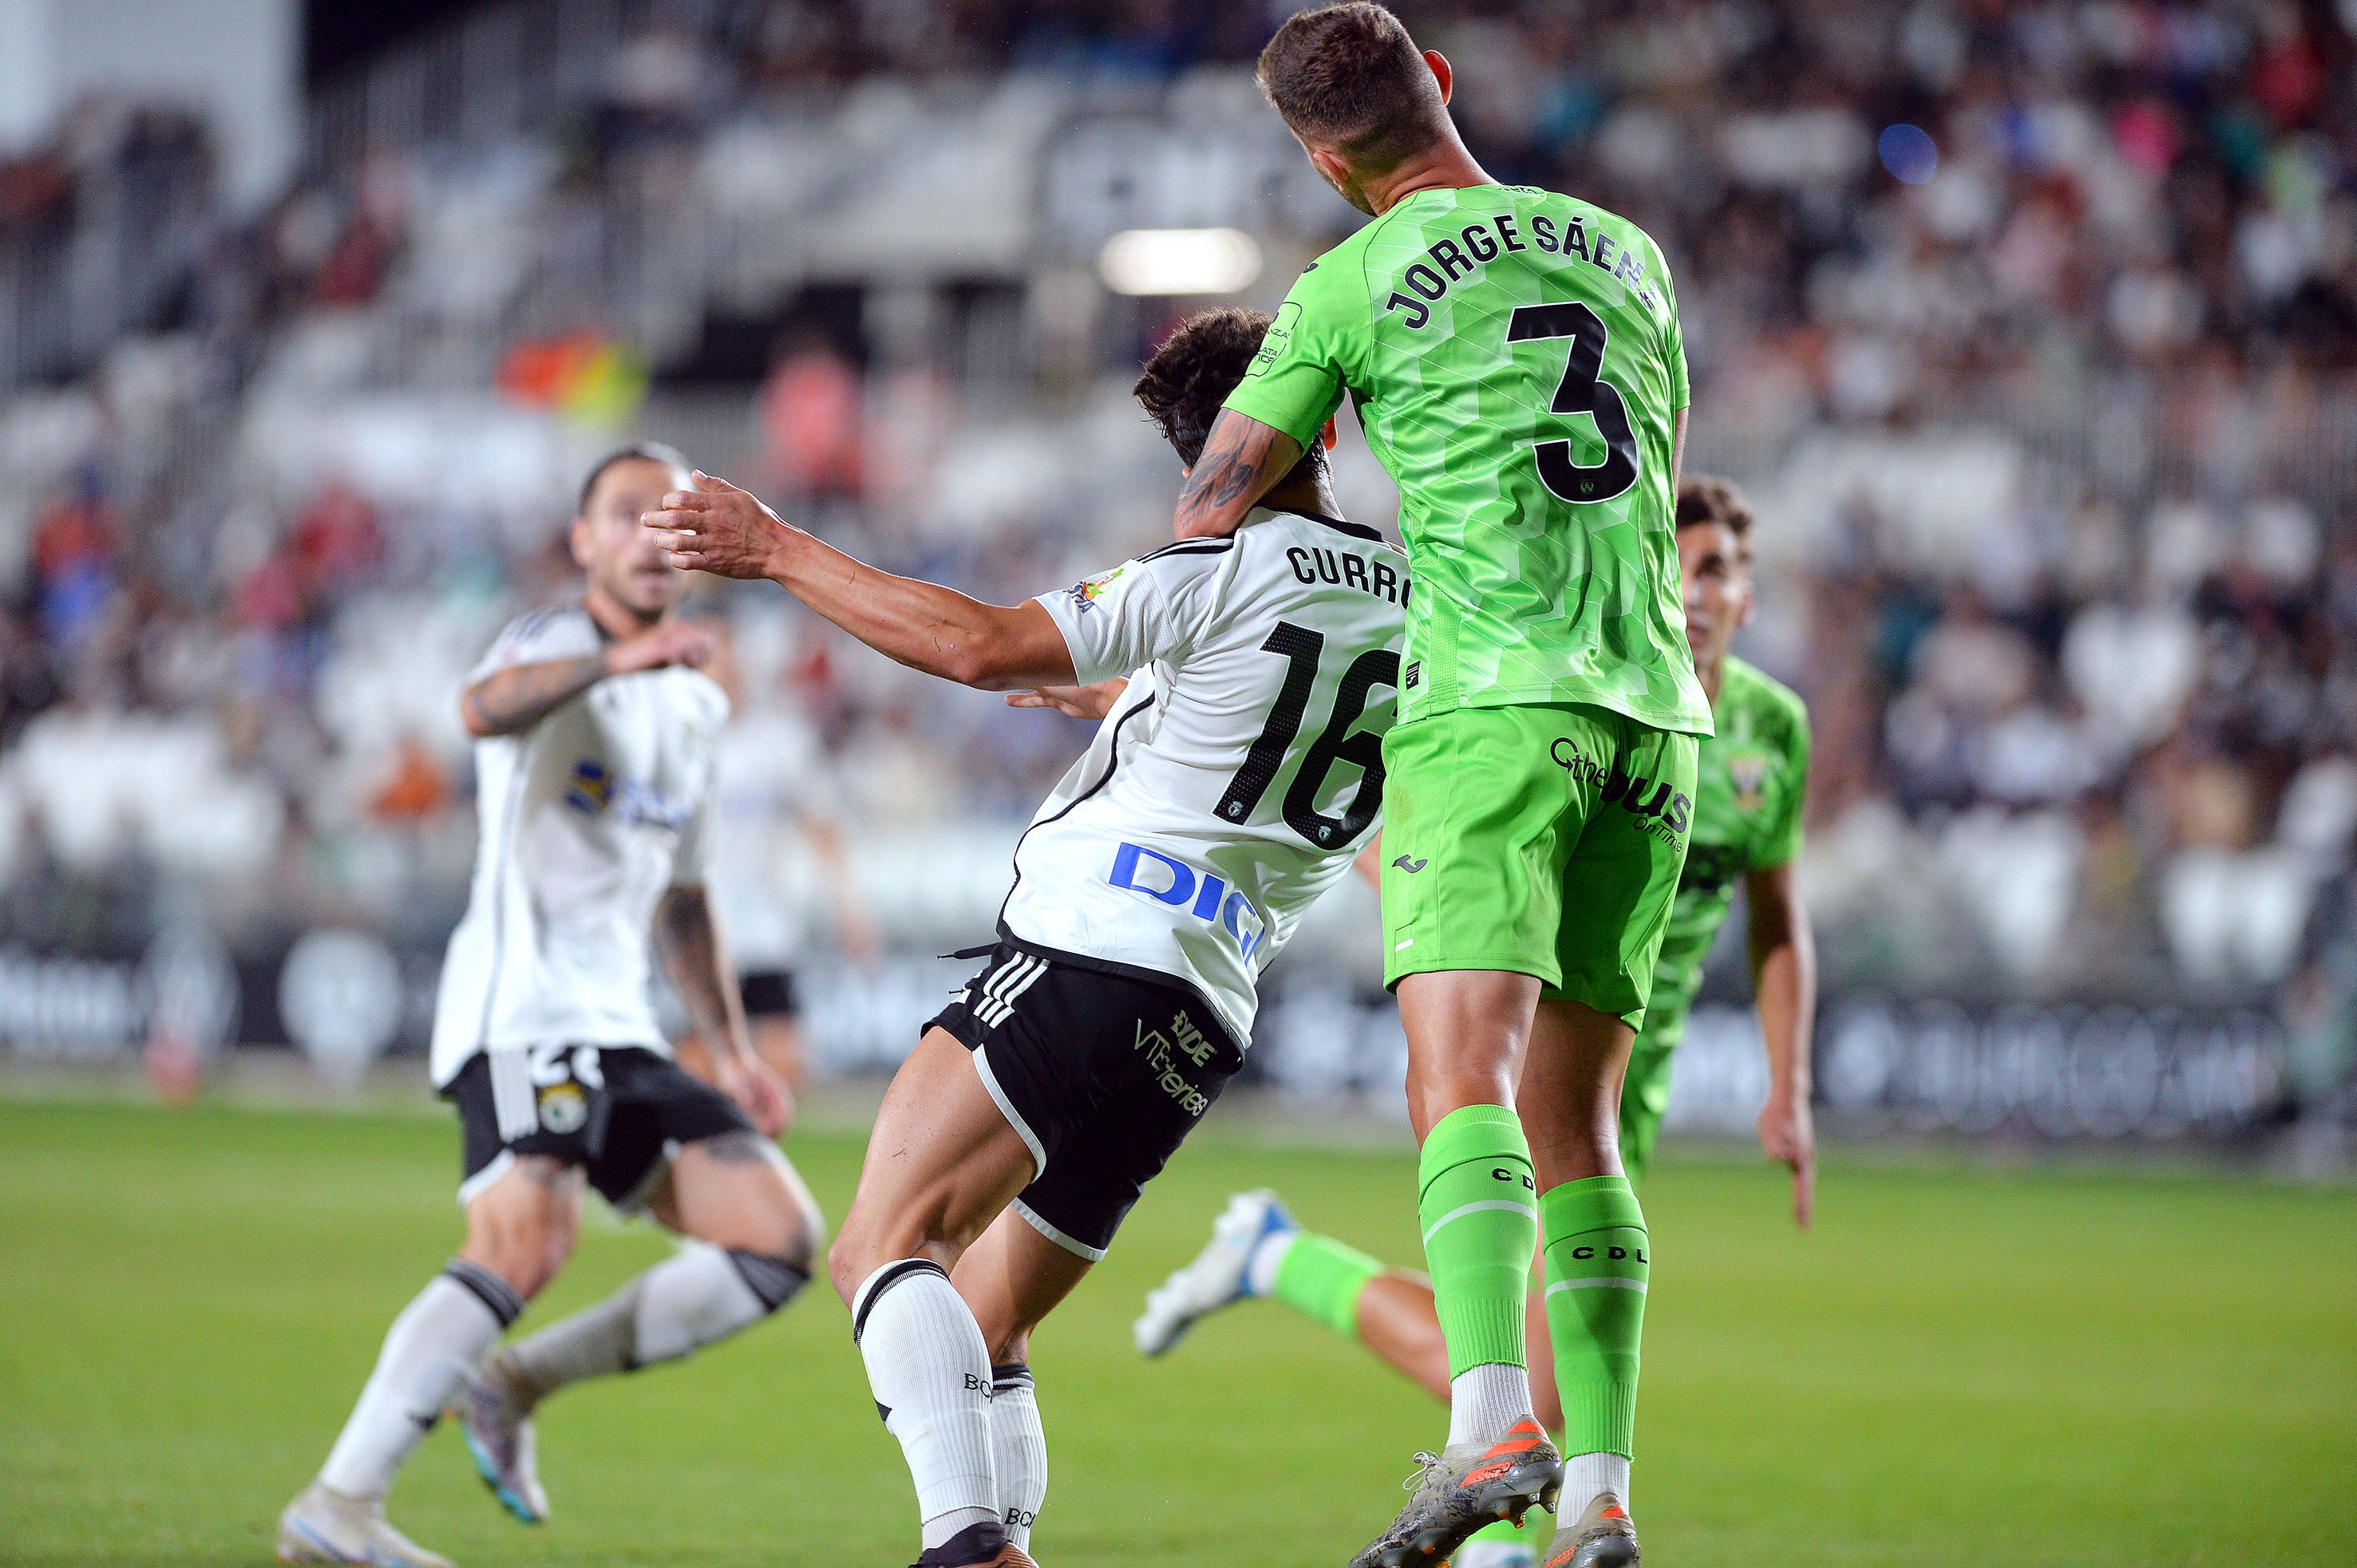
1957,1367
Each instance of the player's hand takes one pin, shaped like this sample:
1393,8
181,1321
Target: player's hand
1077,702
659,647
756,1089
1789,1134
718,528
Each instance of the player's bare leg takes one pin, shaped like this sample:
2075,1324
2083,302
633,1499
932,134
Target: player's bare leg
1011,1279
1597,1264
520,1230
756,1231
942,1164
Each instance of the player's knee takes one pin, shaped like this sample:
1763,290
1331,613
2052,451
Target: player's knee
848,1262
791,1229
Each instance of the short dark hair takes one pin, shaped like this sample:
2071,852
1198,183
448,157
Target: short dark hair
1191,376
636,452
1349,78
1706,498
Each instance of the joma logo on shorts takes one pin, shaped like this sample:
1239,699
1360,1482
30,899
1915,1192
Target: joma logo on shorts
1641,798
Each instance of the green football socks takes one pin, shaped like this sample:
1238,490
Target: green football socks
1322,1278
1597,1264
1475,1188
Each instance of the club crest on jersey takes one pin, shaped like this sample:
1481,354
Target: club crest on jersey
1750,773
594,790
1151,873
591,787
1087,590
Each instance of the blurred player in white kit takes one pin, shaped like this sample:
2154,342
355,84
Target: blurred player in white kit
596,741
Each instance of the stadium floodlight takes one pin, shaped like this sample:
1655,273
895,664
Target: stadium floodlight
1178,260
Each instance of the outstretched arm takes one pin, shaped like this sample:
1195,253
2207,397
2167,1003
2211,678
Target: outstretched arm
1784,980
1242,458
718,528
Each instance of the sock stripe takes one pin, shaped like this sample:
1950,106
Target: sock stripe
1485,1206
773,1280
494,1292
1599,1282
1009,1375
883,1280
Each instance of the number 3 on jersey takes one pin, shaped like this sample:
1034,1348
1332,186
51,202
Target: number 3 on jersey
1584,390
1301,649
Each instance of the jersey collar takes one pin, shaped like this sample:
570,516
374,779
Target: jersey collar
1356,530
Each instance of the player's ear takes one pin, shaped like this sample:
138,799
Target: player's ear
578,541
1441,72
1328,436
1330,166
1750,601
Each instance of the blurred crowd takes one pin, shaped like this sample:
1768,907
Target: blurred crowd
2032,328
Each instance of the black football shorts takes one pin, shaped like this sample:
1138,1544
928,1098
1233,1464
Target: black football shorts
1103,1074
617,1111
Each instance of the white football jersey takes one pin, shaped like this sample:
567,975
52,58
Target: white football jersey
1240,772
587,818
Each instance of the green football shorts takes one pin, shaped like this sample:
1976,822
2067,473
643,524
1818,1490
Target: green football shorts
1545,839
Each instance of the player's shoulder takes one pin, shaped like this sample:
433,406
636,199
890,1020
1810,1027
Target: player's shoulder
551,631
1770,703
1594,216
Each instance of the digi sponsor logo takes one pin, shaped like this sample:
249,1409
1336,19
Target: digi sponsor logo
1153,875
1662,812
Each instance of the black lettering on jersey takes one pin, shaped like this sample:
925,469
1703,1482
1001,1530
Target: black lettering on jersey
1506,232
1354,573
1631,270
1603,257
1423,313
1542,231
1327,570
1477,240
1452,259
1575,239
1298,559
1386,581
1431,285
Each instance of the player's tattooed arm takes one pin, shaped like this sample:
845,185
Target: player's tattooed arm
1784,980
519,696
688,940
1241,460
718,528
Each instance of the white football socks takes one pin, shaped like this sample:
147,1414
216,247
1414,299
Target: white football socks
1020,1447
929,1372
1484,1400
1585,1474
427,1353
1260,1271
700,1294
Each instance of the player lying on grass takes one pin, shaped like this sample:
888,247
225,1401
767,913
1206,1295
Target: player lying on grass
1233,778
1516,362
595,739
1753,775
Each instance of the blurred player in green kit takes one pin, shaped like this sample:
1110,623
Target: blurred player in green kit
1516,362
1751,780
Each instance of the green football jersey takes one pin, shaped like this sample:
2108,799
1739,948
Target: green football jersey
1516,363
1750,787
